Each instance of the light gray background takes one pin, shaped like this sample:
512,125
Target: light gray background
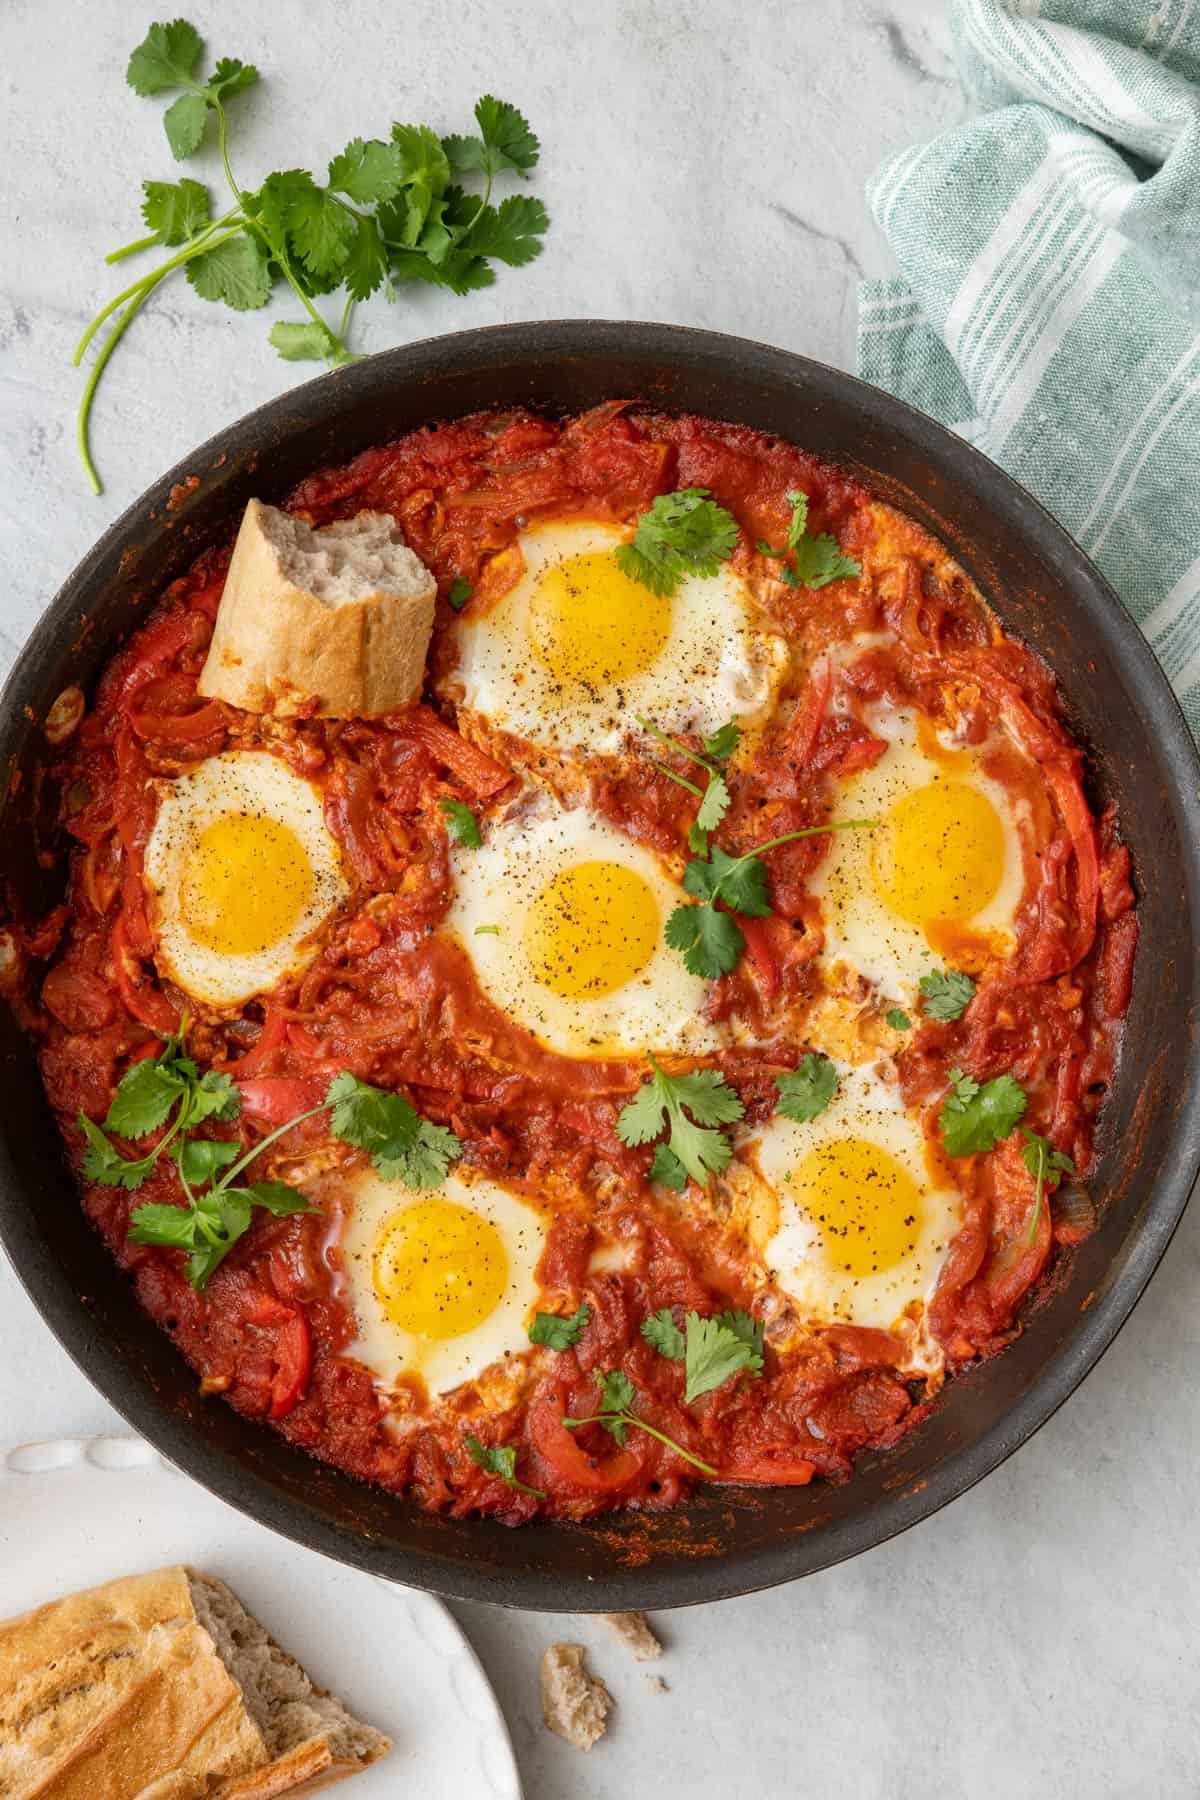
704,164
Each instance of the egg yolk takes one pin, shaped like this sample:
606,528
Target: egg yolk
938,853
866,1204
592,626
245,884
439,1269
592,928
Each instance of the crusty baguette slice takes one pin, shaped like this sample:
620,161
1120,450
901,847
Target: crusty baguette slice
334,620
575,1703
162,1687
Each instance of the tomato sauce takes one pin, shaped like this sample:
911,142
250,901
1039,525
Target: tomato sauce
396,1003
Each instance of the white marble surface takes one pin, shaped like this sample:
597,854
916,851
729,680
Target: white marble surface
703,164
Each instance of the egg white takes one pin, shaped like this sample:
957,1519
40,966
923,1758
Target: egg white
258,786
861,931
716,663
804,1260
385,1347
496,888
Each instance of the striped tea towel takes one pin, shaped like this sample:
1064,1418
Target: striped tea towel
1050,306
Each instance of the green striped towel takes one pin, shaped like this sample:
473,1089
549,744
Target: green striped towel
1050,306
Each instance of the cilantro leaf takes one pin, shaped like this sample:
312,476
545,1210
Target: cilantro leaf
946,994
806,1091
426,173
462,827
513,231
506,136
684,533
816,561
184,122
710,941
201,1159
715,1351
974,1117
303,342
235,272
145,1095
103,1163
658,1105
230,76
740,881
165,58
367,170
721,744
714,805
1047,1166
176,210
667,1169
806,560
663,1334
899,1021
402,1145
214,1096
617,1395
557,1332
460,592
275,1197
750,1330
319,228
501,1460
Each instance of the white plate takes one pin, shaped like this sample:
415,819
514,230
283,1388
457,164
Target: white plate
83,1510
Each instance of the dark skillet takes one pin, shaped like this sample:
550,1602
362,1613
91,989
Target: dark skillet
726,1541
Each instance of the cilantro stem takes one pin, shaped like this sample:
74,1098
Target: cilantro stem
145,243
810,831
628,1418
680,749
136,296
257,1149
682,780
204,240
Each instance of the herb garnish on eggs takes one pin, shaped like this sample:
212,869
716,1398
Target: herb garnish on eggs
501,1460
946,994
557,1332
806,1090
711,941
425,226
975,1116
714,795
1047,1166
617,1395
685,533
462,827
402,1145
693,1147
712,1350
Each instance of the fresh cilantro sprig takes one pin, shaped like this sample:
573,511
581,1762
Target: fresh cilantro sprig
1047,1166
712,1350
617,1395
390,210
946,994
501,1460
219,1209
710,941
147,1094
898,1020
714,795
974,1116
693,1147
462,827
460,592
685,533
807,560
557,1332
402,1145
805,1091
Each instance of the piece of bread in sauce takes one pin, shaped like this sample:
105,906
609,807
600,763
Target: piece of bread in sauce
164,1686
575,1703
334,620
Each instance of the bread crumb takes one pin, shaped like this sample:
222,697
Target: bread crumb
575,1703
656,1684
634,1632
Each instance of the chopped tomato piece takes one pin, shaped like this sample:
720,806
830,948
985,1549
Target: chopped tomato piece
293,1349
478,772
568,1459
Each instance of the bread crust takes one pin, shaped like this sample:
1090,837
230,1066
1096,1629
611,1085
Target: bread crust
278,647
120,1691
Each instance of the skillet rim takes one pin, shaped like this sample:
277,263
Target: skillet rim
683,1582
